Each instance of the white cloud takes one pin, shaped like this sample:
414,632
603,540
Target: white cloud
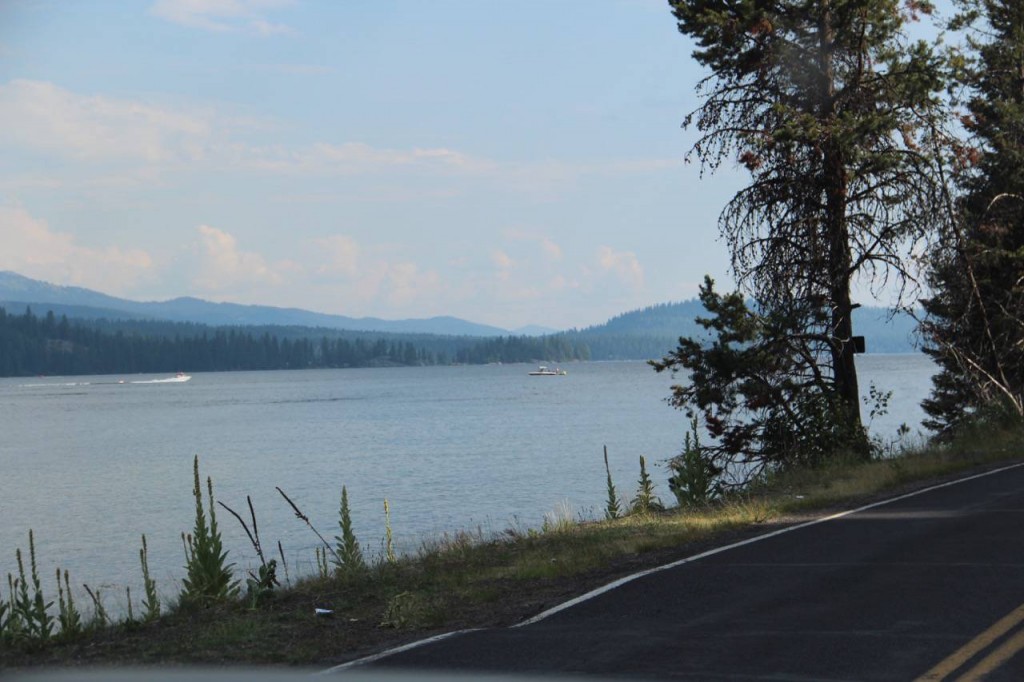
406,284
357,279
41,115
357,158
342,254
502,260
548,247
560,283
624,265
551,249
226,269
32,249
224,16
528,267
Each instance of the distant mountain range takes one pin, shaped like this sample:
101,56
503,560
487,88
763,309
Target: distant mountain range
653,331
17,291
640,334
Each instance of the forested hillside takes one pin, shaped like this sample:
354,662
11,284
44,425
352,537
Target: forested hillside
51,344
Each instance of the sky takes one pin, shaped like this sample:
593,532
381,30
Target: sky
509,163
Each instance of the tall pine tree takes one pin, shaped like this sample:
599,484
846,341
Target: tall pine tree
834,113
975,324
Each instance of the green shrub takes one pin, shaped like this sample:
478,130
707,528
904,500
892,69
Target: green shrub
260,586
694,480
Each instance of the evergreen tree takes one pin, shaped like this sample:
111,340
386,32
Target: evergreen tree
975,323
835,115
763,406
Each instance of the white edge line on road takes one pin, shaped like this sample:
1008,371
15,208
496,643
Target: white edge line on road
396,650
629,578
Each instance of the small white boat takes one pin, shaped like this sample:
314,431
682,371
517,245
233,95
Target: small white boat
544,371
179,378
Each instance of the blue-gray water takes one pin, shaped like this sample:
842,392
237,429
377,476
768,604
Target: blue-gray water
91,464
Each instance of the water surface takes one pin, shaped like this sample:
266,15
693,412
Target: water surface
91,464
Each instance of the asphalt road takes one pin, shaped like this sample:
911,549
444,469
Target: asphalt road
929,586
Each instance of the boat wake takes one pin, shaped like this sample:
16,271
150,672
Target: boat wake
73,383
179,379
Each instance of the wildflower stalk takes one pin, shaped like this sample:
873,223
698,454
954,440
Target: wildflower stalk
70,619
284,563
41,618
348,555
613,509
152,601
321,561
209,577
99,614
645,500
299,515
389,550
131,613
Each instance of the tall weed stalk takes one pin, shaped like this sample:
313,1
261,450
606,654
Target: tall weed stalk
29,618
389,548
323,567
284,563
305,519
5,618
645,501
131,611
348,557
152,601
70,619
100,619
12,623
260,585
210,577
613,507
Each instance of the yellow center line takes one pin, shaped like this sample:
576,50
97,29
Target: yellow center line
973,647
1002,654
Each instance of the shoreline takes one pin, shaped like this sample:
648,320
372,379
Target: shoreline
467,585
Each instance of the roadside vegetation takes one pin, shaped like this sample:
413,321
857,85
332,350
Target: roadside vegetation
357,604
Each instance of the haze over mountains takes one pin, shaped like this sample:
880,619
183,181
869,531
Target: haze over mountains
16,291
640,334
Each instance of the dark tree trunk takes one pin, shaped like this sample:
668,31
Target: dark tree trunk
839,266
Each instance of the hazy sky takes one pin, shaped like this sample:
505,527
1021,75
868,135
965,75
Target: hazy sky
510,163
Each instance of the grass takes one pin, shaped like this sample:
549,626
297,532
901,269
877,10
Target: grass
470,580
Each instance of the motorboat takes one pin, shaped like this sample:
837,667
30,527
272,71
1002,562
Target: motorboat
544,371
178,378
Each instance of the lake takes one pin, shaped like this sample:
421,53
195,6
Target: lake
91,464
